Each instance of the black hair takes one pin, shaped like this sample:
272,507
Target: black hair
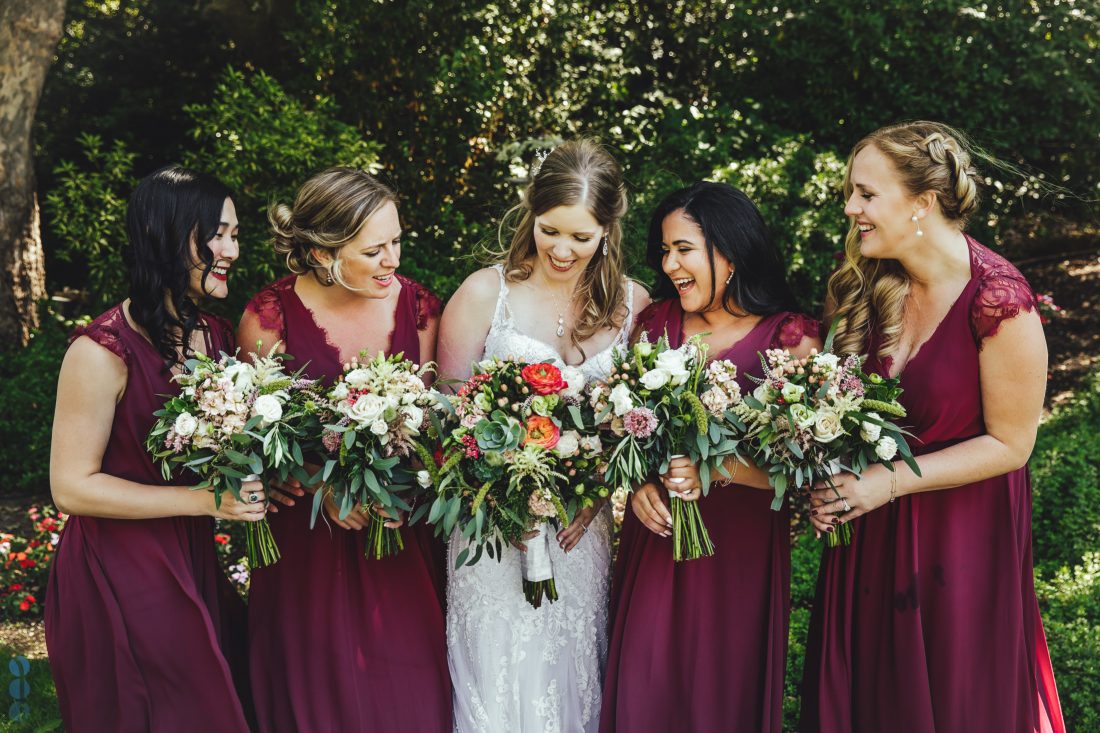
169,209
732,225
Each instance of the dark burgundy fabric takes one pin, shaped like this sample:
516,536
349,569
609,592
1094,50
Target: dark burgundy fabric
929,621
339,642
701,645
140,619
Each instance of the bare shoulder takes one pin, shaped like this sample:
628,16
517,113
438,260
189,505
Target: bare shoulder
477,293
89,362
641,297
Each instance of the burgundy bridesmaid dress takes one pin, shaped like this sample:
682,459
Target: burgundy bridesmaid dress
928,621
338,642
701,645
140,618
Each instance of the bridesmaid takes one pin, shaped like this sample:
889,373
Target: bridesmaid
140,620
929,621
701,645
345,643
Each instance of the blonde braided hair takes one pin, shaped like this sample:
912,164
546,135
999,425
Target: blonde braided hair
866,293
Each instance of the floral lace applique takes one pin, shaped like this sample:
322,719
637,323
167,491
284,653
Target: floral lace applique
794,328
267,305
1002,293
428,305
107,332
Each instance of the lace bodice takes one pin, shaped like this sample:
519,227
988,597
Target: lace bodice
506,341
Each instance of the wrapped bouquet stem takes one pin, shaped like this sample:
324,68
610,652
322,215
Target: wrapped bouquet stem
538,570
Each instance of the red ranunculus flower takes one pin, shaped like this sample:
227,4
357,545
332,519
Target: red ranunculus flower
542,431
544,378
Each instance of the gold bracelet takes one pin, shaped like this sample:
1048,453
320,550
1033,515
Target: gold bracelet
893,484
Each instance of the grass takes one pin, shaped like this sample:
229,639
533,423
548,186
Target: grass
43,715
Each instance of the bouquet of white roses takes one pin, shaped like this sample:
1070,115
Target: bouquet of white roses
370,423
660,403
234,421
809,417
513,456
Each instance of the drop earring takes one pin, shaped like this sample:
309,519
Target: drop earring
916,221
329,279
730,277
605,245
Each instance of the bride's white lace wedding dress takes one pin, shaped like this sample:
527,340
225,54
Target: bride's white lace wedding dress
518,669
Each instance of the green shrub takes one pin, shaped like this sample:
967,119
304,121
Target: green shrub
28,386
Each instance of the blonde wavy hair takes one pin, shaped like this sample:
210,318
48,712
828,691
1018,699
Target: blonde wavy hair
576,172
329,210
867,293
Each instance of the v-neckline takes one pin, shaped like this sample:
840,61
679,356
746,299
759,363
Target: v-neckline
724,352
335,351
915,353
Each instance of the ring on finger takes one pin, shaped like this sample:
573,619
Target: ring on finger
252,497
847,506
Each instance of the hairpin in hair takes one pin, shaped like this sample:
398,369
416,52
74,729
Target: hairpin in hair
540,158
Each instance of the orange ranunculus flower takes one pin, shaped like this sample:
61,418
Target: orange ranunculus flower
544,378
542,431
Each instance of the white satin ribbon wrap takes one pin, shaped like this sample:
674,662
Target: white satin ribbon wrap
676,494
536,561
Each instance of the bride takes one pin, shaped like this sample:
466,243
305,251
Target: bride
557,295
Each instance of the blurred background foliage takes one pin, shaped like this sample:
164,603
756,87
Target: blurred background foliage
448,100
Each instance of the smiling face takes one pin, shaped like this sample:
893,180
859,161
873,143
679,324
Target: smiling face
684,260
224,246
566,240
881,206
368,261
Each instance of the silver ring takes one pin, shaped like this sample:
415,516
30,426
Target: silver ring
252,498
847,506
584,527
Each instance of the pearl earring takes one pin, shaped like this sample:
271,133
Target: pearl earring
730,277
329,279
916,221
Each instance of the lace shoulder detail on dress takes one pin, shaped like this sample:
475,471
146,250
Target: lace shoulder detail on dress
106,330
428,304
653,318
1001,294
793,328
267,305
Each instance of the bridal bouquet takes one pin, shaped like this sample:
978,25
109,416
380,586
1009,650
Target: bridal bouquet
514,454
370,422
235,421
810,417
661,403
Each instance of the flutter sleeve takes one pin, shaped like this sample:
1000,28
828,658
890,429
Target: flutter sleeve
105,331
794,328
428,305
1002,293
267,306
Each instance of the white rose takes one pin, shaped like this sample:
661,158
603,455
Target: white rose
793,392
655,378
340,391
357,378
827,426
870,431
424,478
622,399
569,444
268,407
827,362
886,448
185,424
379,427
366,409
591,444
804,417
675,363
574,379
414,417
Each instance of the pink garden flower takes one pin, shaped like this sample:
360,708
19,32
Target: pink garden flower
640,422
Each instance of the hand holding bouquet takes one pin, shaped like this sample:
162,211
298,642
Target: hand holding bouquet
660,403
235,421
371,419
811,415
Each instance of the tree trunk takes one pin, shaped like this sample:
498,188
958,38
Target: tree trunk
29,32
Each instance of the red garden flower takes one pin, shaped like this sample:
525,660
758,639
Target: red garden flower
544,378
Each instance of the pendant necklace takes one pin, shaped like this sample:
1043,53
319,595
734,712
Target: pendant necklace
561,315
